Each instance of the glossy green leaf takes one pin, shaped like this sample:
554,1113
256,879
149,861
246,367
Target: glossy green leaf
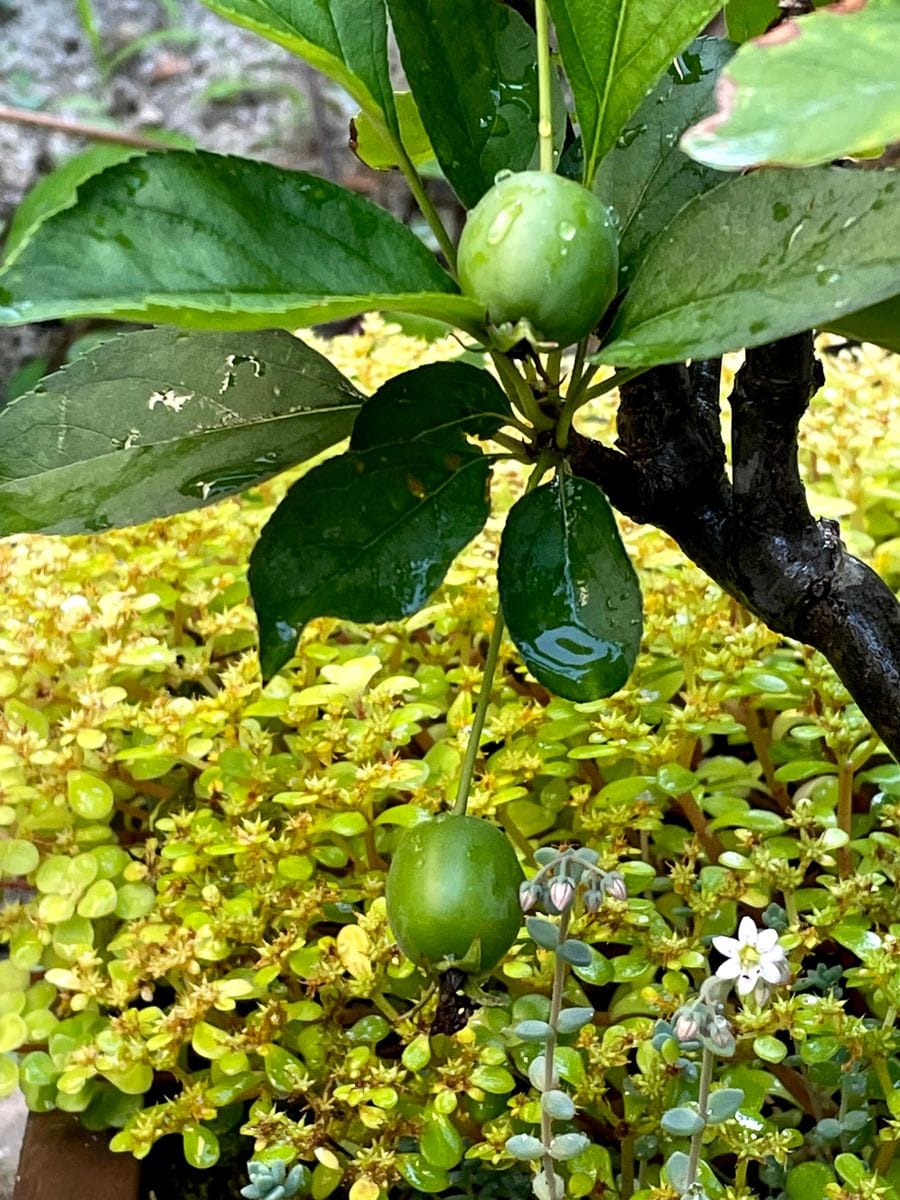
438,402
769,1049
18,856
377,148
212,242
424,1177
646,177
808,1179
783,251
879,324
344,39
284,1070
155,422
201,1146
367,536
89,796
613,52
472,67
807,92
440,1142
568,591
58,190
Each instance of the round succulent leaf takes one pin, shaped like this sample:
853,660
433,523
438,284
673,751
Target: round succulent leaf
533,1031
558,1105
723,1104
682,1121
572,1019
568,1145
525,1147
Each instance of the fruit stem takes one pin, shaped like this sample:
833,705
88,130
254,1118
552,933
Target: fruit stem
545,86
429,212
519,392
487,683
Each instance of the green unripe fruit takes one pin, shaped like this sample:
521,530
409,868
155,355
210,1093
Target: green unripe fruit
542,247
453,880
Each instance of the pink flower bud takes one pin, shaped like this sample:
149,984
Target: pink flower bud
562,892
686,1028
527,897
615,887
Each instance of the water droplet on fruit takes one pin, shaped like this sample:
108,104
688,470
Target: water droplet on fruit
566,230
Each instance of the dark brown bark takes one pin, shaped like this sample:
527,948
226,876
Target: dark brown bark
754,534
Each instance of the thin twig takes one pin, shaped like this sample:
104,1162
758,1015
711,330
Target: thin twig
94,133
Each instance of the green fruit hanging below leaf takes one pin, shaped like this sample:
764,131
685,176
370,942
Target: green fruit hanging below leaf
544,249
453,893
569,594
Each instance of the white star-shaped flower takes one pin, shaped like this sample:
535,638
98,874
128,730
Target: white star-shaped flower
753,956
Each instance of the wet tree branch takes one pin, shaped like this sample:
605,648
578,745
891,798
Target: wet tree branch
755,534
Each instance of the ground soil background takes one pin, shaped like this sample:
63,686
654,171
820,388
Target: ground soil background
182,68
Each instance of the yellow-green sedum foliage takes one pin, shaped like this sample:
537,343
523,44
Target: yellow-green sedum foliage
195,865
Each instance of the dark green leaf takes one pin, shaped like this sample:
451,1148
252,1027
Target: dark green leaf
543,933
155,422
613,52
745,19
810,91
57,190
783,251
367,536
344,39
438,402
879,324
222,243
472,66
377,148
568,591
574,952
646,177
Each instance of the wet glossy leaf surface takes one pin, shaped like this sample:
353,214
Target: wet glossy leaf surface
568,591
438,402
344,39
473,70
156,422
216,242
646,177
812,90
367,536
879,324
613,53
783,251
